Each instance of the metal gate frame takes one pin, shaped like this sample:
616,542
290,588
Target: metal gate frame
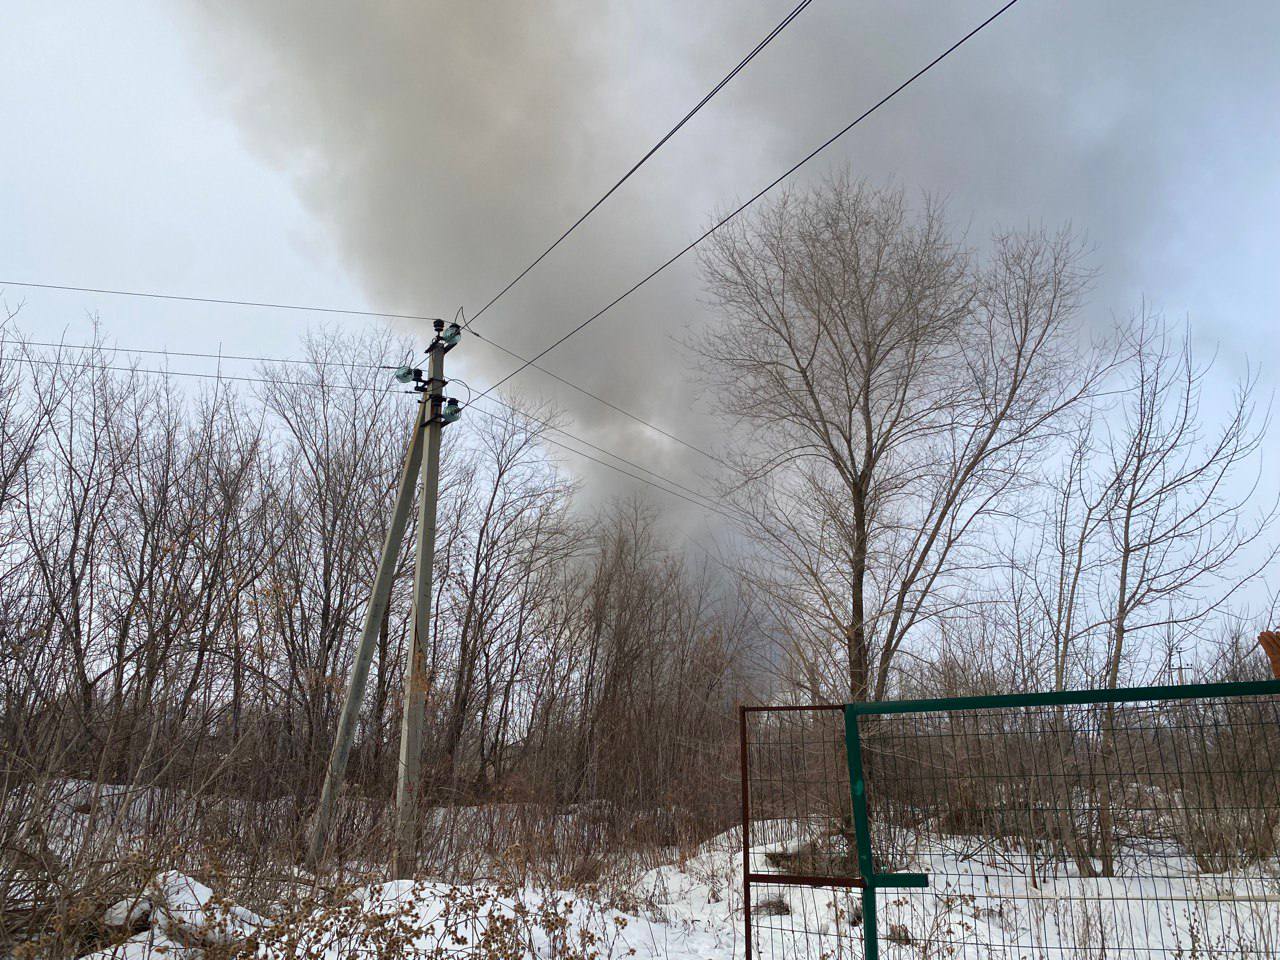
793,879
872,880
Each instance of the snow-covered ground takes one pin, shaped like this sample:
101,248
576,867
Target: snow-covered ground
1157,905
971,910
687,910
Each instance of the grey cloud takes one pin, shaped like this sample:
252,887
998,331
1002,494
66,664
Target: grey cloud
445,145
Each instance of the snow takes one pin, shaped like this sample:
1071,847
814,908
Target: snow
148,945
692,910
183,915
187,908
1157,904
681,910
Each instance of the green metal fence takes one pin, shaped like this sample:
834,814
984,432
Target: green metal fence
1142,822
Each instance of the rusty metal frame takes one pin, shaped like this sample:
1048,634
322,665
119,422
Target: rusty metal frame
787,879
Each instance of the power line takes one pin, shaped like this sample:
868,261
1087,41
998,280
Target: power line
596,397
163,296
796,11
201,376
548,425
358,389
212,356
742,64
741,207
369,366
149,295
365,366
625,473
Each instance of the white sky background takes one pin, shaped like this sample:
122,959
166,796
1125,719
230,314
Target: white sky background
412,157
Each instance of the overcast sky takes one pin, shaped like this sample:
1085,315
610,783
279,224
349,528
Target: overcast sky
411,157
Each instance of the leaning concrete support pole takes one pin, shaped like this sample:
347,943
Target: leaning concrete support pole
416,674
368,638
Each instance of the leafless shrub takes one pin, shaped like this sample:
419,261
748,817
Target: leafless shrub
181,582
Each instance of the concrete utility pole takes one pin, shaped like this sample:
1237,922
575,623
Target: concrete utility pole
368,637
416,680
429,417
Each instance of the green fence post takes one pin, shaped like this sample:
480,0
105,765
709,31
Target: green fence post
872,879
861,833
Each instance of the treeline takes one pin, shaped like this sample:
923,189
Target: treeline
945,477
952,474
183,574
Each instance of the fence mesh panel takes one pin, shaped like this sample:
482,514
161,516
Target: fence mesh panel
1118,830
1143,828
799,888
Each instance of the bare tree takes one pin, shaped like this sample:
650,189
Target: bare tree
1177,526
339,444
1149,530
510,528
181,576
891,391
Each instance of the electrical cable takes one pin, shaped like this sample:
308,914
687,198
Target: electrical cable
756,196
769,37
599,399
183,298
364,366
202,376
371,366
212,356
357,389
625,473
489,340
548,425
